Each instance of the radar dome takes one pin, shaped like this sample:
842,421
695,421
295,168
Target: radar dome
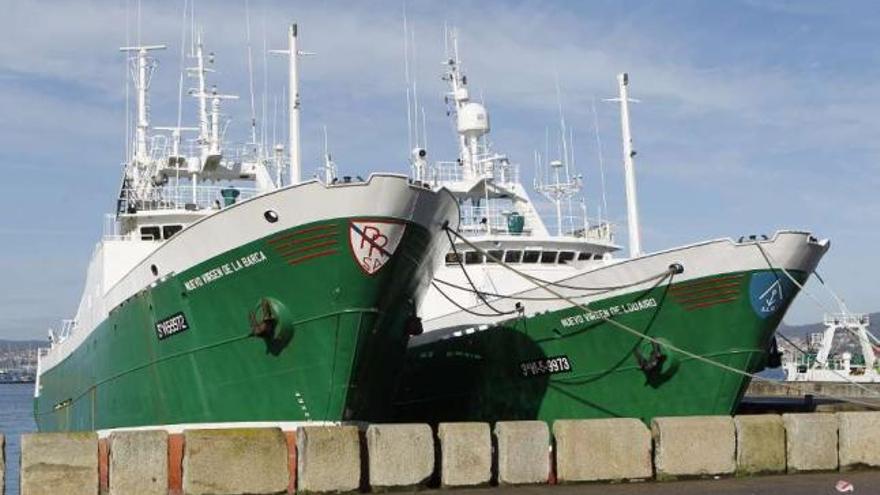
473,119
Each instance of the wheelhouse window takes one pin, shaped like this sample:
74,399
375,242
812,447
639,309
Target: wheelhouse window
565,257
498,254
512,256
548,257
584,256
452,258
597,257
473,258
151,233
531,256
170,230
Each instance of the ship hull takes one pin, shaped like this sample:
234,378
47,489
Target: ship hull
288,327
563,362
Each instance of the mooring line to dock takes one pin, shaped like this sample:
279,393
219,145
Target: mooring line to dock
654,340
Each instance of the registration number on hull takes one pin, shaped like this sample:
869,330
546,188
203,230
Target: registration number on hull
545,366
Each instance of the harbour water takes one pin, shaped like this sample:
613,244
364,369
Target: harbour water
16,417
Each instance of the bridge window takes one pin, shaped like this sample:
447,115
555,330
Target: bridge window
512,256
597,257
452,258
583,256
151,233
531,256
494,253
548,257
473,258
170,230
565,257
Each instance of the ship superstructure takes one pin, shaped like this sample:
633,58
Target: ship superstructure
228,291
497,212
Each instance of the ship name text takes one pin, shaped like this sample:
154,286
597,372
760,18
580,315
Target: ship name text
225,269
609,312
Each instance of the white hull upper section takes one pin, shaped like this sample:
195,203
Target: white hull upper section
119,269
791,250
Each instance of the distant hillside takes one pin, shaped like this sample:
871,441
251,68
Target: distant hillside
15,345
804,330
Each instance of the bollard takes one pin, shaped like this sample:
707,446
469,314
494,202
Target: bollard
400,455
54,463
466,454
693,446
234,461
522,448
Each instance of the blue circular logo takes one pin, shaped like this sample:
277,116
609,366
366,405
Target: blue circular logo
769,291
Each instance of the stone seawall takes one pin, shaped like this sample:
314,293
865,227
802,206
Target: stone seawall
383,457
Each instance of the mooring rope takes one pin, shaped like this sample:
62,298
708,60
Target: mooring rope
659,277
668,345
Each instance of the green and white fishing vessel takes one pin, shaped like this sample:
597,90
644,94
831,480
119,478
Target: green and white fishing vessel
226,291
524,324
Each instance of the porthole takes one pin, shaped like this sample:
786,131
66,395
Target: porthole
271,216
154,269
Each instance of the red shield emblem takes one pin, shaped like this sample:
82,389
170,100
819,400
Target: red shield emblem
374,242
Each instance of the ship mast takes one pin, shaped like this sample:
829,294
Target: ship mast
632,206
293,147
201,94
144,70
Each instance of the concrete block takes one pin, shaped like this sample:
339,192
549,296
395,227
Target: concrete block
139,463
602,450
693,446
810,442
760,444
328,459
53,463
234,461
859,442
523,452
400,455
466,454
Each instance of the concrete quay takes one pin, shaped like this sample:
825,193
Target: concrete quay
617,455
796,390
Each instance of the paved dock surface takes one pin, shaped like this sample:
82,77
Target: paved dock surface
864,483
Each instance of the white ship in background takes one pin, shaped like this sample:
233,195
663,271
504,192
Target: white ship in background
819,363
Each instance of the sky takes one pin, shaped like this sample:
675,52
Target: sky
754,115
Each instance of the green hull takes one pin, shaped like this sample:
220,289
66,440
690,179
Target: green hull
338,341
565,364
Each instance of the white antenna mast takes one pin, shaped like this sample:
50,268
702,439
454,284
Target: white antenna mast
201,95
601,156
329,165
293,53
564,185
415,88
409,123
144,68
250,55
632,206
